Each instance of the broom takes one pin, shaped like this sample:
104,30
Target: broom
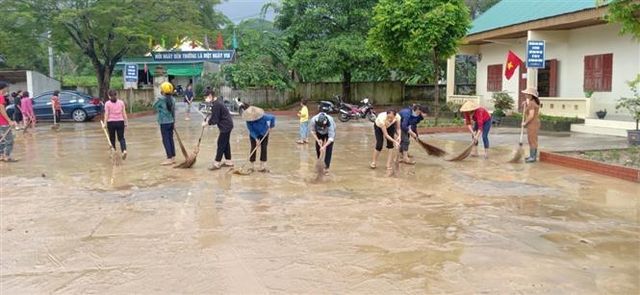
395,165
432,150
520,150
5,134
190,161
320,168
184,151
116,158
244,170
465,153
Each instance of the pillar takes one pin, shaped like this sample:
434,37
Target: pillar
451,76
160,76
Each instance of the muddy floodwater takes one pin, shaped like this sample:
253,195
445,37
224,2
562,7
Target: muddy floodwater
71,223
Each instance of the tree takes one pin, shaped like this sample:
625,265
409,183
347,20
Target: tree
626,13
107,30
23,44
405,33
477,7
327,38
262,57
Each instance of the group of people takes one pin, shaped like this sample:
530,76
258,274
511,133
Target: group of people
397,128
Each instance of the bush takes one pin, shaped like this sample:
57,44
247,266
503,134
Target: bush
498,113
502,101
632,104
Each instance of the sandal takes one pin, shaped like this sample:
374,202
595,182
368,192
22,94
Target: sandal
372,165
408,162
10,160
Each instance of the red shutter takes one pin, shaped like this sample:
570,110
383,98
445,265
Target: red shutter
553,78
588,74
494,78
607,70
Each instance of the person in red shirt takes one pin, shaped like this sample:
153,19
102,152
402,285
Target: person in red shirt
55,106
478,120
6,136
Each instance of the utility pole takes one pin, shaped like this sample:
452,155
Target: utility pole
50,55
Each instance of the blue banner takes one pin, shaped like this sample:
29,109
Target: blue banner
131,73
212,55
535,54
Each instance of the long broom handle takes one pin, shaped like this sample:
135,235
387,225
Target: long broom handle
259,143
106,135
521,125
5,134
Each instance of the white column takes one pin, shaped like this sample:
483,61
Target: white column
451,76
532,74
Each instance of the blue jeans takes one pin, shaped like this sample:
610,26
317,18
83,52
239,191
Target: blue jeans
485,132
304,130
167,140
6,145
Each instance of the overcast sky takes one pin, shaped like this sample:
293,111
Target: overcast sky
238,10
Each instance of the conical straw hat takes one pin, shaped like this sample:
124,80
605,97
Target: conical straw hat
469,106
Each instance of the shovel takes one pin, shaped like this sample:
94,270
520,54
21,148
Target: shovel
520,150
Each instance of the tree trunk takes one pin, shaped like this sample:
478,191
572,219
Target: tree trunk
104,82
346,86
436,86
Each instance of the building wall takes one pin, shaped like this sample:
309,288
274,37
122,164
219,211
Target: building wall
18,86
39,83
569,48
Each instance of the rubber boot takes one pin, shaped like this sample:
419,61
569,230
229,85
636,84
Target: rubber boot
263,167
533,156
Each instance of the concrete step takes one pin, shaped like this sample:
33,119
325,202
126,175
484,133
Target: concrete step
616,124
584,128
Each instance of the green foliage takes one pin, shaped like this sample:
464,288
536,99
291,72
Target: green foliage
477,7
105,31
262,57
498,113
407,32
327,39
626,13
23,44
89,81
502,101
632,104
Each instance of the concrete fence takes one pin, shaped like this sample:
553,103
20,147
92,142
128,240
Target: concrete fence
258,96
381,93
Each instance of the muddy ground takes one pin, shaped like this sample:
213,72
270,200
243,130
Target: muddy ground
70,223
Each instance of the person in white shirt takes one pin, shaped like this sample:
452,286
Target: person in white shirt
386,126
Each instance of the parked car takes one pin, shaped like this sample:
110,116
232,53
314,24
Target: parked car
76,106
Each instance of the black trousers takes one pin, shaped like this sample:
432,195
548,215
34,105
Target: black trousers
263,149
117,128
58,114
328,153
380,136
224,146
167,139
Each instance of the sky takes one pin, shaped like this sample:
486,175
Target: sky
238,10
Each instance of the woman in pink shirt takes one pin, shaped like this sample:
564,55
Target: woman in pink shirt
26,106
116,115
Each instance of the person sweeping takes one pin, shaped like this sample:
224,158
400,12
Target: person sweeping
6,135
26,106
259,124
532,122
220,116
115,114
386,126
410,117
478,121
165,106
323,130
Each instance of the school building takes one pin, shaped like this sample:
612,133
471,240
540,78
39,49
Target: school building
587,61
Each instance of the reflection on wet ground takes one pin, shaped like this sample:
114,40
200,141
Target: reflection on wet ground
71,223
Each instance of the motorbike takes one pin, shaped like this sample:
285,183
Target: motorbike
361,111
233,105
330,107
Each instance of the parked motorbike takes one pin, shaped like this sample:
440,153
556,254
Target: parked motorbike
361,111
330,107
233,105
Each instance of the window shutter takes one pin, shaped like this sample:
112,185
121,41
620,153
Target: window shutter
607,70
494,78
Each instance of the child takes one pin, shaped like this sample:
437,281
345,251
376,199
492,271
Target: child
303,114
26,105
116,115
56,108
165,108
258,124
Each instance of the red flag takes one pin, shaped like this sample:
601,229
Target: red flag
219,41
513,62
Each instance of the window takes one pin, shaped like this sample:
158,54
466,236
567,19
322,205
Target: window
597,72
494,78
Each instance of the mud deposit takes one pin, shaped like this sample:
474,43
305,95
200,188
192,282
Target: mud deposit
71,223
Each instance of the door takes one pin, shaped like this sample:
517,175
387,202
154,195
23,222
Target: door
68,102
42,106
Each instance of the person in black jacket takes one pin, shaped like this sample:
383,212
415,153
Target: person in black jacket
220,116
